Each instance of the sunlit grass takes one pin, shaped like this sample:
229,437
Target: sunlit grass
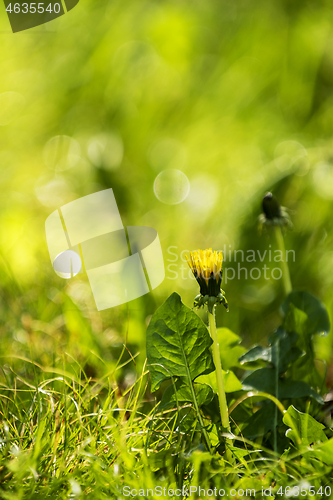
238,97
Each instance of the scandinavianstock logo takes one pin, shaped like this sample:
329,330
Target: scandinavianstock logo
24,14
87,236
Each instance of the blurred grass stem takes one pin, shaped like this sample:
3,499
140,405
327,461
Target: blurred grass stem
284,264
287,289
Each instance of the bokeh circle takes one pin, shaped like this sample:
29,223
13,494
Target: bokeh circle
67,264
171,186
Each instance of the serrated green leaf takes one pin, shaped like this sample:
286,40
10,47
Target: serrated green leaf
281,353
182,394
261,422
178,344
305,368
324,452
303,429
255,353
296,321
213,432
264,380
317,316
284,350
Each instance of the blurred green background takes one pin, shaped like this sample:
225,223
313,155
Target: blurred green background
236,96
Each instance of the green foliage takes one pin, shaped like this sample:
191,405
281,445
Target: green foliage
151,87
87,425
317,319
180,393
281,353
262,422
177,344
305,315
168,339
303,430
230,348
264,380
289,373
324,452
231,382
292,372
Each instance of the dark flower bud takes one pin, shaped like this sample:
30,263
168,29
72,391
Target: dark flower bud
271,206
274,214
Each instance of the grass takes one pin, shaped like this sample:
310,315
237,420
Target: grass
67,435
64,434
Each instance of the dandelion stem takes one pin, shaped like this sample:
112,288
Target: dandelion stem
284,264
220,383
219,373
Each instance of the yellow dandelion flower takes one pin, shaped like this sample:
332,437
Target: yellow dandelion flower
206,266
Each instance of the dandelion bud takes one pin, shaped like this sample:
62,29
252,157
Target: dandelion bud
206,266
271,206
274,214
